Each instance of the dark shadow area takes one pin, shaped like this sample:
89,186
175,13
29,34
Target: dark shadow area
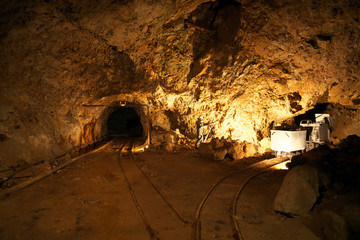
310,115
294,99
216,24
124,122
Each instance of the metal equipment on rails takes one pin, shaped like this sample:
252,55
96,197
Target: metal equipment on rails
309,135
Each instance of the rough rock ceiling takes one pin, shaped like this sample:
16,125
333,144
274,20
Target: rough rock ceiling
242,63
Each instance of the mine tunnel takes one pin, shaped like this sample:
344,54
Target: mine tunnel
103,105
124,122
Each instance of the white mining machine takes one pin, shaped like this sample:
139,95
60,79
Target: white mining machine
308,136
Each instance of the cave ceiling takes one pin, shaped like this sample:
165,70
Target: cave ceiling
244,64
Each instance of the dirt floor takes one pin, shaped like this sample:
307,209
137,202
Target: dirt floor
90,199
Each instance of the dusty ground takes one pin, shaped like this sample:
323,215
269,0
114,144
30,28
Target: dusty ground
90,199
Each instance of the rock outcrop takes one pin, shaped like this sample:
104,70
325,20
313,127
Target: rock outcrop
335,226
236,151
241,63
227,150
298,192
351,213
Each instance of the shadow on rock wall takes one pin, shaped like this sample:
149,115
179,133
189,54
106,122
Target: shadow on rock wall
217,25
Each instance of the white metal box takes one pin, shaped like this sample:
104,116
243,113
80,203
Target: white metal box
287,141
324,118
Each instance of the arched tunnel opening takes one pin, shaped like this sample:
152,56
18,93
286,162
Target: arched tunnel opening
124,122
99,119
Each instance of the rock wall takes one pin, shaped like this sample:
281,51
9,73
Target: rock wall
242,63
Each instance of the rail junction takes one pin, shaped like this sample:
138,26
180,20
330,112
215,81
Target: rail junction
163,215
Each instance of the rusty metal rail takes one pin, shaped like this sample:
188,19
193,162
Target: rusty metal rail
53,162
35,179
259,168
149,229
128,148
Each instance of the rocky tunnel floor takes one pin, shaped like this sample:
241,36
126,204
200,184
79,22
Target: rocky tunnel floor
90,199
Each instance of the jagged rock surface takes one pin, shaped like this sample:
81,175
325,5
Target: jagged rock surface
242,63
335,226
298,192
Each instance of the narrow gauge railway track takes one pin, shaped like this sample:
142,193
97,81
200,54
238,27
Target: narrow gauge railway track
236,226
217,209
161,219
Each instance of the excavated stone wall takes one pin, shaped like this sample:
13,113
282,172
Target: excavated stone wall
241,63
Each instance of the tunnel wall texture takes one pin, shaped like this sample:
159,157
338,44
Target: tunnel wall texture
241,63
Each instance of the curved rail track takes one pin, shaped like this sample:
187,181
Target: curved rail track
217,209
215,216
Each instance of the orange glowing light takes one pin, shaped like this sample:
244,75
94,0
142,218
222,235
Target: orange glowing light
281,166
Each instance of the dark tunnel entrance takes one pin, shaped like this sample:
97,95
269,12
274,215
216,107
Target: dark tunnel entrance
124,122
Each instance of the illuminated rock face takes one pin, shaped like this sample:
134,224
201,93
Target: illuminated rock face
242,63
